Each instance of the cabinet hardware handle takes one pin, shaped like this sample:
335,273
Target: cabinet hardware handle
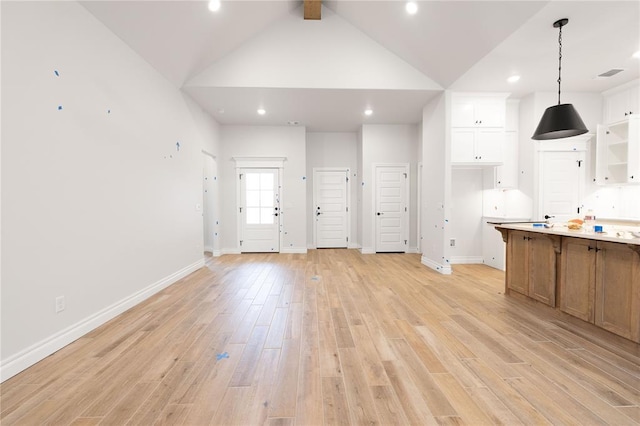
589,248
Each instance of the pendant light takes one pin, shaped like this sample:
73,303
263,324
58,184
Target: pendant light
562,120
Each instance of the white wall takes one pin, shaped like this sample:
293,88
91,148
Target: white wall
98,204
265,141
466,215
209,131
333,149
436,188
326,53
359,189
387,144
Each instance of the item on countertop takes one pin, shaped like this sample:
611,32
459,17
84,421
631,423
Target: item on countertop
589,219
575,224
598,229
548,225
635,234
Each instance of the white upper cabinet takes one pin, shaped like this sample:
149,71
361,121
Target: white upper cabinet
477,146
621,102
478,111
478,129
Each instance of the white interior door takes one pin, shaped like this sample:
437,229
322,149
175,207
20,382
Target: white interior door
331,209
391,208
561,184
259,210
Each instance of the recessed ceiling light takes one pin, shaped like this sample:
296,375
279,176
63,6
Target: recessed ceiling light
368,111
214,5
637,55
411,7
513,78
262,111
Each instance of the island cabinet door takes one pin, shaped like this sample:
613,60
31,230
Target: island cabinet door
577,278
618,290
542,269
518,262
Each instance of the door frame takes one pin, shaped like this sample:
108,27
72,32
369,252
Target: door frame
347,171
209,216
407,194
574,144
258,163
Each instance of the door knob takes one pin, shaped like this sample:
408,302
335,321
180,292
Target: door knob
379,214
318,213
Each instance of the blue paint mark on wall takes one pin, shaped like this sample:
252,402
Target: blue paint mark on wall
56,73
177,146
59,107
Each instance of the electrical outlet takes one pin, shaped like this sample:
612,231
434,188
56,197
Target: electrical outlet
452,242
60,304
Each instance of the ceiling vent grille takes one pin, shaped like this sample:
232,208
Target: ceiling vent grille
610,73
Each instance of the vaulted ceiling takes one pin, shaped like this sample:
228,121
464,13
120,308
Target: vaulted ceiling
323,73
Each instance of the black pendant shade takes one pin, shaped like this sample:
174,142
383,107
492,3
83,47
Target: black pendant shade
559,121
562,120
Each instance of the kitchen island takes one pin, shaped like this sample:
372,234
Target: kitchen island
592,276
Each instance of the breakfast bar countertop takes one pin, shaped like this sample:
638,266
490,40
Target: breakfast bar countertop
612,233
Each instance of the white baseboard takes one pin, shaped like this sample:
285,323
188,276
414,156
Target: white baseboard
216,253
353,246
26,358
413,250
293,250
443,269
461,260
208,249
230,251
367,250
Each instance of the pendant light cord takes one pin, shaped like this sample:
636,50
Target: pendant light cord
559,62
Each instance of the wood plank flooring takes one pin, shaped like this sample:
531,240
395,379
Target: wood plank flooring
333,337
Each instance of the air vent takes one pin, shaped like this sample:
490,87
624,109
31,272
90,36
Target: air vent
610,73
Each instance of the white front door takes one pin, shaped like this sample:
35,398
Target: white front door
330,209
391,208
259,210
561,184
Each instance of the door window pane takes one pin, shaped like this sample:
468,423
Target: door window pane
253,181
266,181
266,199
260,198
253,198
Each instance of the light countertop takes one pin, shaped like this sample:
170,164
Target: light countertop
613,233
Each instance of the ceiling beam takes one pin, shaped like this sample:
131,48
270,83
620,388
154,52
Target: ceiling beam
312,9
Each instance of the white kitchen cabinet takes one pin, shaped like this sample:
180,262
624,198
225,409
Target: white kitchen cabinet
478,111
493,247
621,102
618,152
477,146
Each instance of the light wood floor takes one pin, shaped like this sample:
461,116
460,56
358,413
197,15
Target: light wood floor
333,337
